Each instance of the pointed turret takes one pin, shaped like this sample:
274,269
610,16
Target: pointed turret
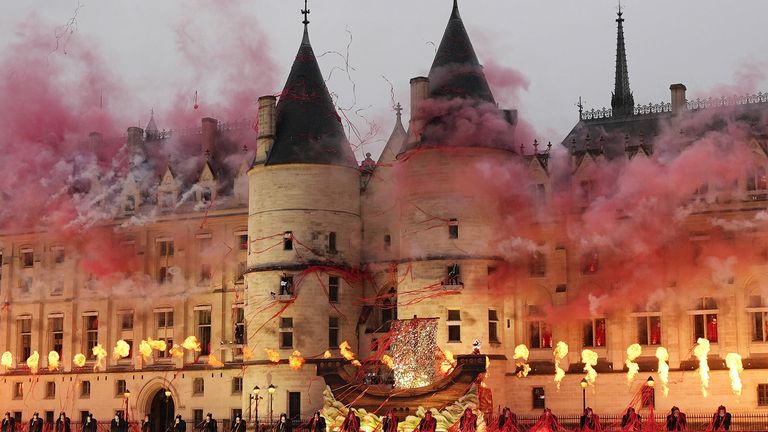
456,71
308,128
622,102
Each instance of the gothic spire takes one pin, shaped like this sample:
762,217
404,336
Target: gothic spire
622,101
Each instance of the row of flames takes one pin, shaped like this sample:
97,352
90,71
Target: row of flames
296,361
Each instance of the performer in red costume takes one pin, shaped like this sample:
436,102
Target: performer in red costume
428,423
468,421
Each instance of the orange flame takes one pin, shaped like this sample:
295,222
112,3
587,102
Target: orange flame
191,343
663,355
589,358
272,355
53,361
296,361
356,363
121,350
213,361
735,367
387,361
33,361
247,353
633,352
100,354
79,360
521,360
561,350
7,360
176,351
448,363
346,351
701,351
327,354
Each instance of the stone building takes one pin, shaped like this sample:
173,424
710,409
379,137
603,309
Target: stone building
291,250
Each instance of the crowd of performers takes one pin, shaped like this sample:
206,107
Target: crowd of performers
631,421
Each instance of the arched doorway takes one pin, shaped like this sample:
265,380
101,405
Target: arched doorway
162,410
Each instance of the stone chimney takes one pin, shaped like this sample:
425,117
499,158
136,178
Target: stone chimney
419,93
266,136
209,129
679,103
135,135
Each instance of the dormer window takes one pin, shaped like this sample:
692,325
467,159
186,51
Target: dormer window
206,195
167,200
130,204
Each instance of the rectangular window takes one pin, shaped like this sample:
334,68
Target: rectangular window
50,390
25,337
239,312
198,416
203,320
539,401
165,248
539,334
286,333
333,332
18,390
242,242
288,240
49,417
705,326
332,243
126,320
294,406
760,326
590,263
333,289
58,255
198,386
205,273
387,242
537,267
27,258
762,395
91,325
454,325
453,229
237,385
241,269
56,328
120,387
164,330
493,326
594,333
85,389
649,330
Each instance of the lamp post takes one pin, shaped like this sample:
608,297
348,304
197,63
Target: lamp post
650,395
584,385
166,420
126,395
271,391
254,396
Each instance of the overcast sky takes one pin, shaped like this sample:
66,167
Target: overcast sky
565,48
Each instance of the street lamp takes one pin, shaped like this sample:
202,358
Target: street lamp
166,420
650,383
254,396
584,385
271,391
649,394
126,395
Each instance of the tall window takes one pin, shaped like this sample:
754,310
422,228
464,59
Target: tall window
164,329
203,321
91,326
205,274
288,240
757,180
85,389
493,326
454,325
56,329
237,385
334,330
332,243
594,333
705,319
333,289
537,267
286,333
165,248
164,274
58,255
590,263
50,390
387,242
120,387
126,320
27,258
649,330
25,337
453,229
539,331
206,195
198,386
242,242
759,315
239,311
539,401
197,415
18,390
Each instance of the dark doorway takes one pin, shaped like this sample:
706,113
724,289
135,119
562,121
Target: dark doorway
161,412
294,407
